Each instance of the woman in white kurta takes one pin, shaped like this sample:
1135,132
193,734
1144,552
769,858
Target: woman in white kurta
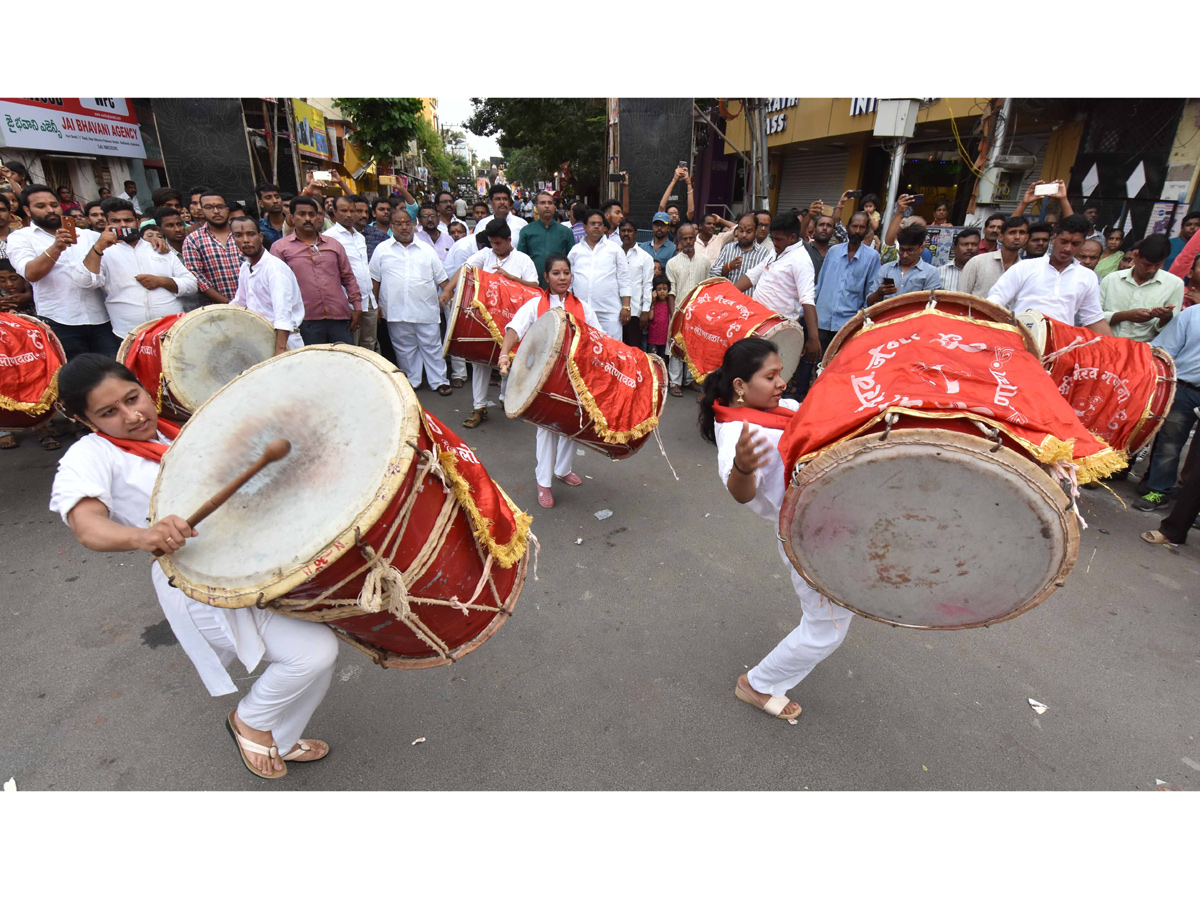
555,453
102,491
742,414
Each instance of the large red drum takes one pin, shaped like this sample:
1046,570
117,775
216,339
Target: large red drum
716,314
1121,390
926,468
185,358
484,304
30,357
575,380
380,521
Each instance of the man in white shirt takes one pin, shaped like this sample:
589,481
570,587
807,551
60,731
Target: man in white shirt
436,235
966,245
405,278
601,275
708,241
345,217
267,286
1055,285
445,212
130,194
139,283
502,258
44,254
684,270
460,208
614,215
641,284
501,198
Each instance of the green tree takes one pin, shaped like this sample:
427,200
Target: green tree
522,166
437,160
384,126
553,130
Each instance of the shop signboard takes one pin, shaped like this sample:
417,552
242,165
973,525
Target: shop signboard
91,126
311,137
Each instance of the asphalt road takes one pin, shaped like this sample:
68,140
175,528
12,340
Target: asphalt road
617,670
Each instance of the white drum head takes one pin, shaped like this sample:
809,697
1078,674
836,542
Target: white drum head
348,418
535,357
208,348
929,529
789,338
1038,327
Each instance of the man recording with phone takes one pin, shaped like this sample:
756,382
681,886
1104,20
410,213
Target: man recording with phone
907,273
903,218
665,204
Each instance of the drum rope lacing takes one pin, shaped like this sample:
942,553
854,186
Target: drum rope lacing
387,588
1077,344
1066,472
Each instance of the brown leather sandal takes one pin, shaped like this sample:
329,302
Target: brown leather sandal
475,419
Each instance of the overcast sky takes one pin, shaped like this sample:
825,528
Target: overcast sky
453,111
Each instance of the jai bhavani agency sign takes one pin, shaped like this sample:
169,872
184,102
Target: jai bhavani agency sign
96,126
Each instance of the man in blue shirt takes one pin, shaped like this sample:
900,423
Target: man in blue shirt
845,280
909,272
1181,338
1189,226
270,204
661,248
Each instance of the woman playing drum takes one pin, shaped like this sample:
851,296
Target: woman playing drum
742,414
102,491
554,453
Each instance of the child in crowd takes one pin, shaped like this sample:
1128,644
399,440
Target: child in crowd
660,314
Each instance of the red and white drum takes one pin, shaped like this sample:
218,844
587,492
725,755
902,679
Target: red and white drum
716,314
30,357
484,304
574,380
925,469
380,522
1121,390
184,359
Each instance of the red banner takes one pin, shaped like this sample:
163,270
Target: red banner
498,298
1109,382
495,519
936,366
29,364
615,383
144,355
715,315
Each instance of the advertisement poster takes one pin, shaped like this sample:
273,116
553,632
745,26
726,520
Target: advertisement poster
940,243
94,126
310,130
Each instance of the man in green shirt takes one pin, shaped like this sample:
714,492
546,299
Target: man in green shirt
544,236
1138,302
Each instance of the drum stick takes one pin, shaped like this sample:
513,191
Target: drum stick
274,451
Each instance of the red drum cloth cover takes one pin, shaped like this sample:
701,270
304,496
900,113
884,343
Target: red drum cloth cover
495,519
498,298
608,378
1110,384
717,315
931,365
144,358
29,365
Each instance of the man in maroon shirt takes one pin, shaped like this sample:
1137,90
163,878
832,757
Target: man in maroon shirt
332,301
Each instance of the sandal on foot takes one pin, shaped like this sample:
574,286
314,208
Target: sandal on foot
773,707
49,442
303,746
571,478
676,391
445,390
8,442
245,745
545,498
1156,537
475,419
456,382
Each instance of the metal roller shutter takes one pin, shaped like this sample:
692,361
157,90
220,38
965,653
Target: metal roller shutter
806,177
1026,144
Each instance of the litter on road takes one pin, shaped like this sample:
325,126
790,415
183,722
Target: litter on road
1038,708
603,514
418,741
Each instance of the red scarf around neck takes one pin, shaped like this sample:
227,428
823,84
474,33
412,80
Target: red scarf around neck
151,450
777,418
571,304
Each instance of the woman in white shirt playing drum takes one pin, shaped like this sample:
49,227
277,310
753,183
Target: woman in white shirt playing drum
102,491
742,413
555,453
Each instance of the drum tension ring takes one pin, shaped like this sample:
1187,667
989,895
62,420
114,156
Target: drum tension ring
259,602
171,581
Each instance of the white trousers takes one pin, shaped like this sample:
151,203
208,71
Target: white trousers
555,456
821,630
458,367
611,324
680,374
301,656
481,377
419,346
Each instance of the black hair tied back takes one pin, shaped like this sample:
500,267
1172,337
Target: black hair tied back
742,360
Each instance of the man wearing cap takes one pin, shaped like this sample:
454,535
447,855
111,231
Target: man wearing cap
661,248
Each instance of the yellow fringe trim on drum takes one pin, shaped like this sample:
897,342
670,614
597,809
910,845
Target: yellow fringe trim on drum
489,322
1050,451
588,402
507,555
37,407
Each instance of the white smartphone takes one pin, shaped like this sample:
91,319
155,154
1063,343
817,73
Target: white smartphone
1045,190
322,176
